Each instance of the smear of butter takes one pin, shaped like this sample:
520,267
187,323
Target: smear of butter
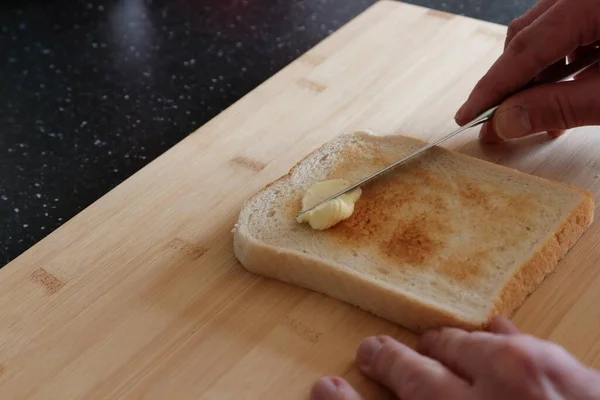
334,211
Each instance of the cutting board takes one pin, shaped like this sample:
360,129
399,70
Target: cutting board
140,295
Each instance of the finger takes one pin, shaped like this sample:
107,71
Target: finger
564,26
466,353
556,133
502,360
526,19
502,325
568,373
488,135
551,107
333,388
407,373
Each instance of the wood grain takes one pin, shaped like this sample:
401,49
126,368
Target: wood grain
140,296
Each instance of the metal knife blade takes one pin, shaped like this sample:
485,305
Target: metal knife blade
482,118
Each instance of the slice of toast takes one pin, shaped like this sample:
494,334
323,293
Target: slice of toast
444,240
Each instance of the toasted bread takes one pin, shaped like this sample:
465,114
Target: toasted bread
444,240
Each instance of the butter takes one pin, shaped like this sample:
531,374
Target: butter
334,211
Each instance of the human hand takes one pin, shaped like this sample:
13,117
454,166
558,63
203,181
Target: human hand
541,40
454,364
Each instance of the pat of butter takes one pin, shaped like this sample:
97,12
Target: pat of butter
334,211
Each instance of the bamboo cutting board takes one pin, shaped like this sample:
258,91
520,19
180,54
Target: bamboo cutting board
140,295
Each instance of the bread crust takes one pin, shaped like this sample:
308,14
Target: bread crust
392,303
311,273
543,262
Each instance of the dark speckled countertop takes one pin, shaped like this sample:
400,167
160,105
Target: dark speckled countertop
94,90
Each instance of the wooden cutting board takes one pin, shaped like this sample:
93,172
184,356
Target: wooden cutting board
140,296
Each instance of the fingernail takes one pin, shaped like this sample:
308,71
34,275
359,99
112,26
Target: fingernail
325,389
428,339
512,123
459,114
368,350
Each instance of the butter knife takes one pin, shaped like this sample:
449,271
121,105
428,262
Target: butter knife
561,74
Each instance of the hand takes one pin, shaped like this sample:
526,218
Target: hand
551,32
454,364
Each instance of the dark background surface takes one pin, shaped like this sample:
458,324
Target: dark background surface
91,91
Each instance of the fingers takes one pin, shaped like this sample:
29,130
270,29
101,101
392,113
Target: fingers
467,353
333,388
406,372
552,107
503,326
524,21
555,34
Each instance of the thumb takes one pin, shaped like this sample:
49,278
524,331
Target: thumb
551,107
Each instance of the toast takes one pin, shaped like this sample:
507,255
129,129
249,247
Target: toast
443,240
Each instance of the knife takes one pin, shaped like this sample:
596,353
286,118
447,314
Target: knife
562,73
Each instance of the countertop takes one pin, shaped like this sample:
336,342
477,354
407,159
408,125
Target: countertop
92,91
